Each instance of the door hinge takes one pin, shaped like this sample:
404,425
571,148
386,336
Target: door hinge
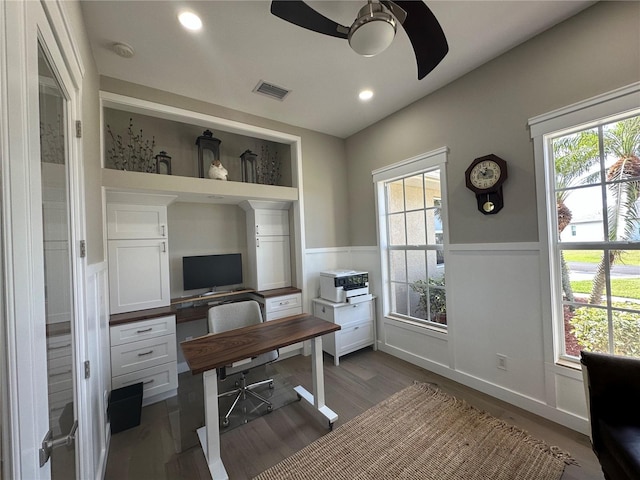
78,129
87,369
83,248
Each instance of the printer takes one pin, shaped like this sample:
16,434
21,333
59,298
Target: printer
342,286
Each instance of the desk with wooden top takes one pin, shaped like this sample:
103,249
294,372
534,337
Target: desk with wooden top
206,354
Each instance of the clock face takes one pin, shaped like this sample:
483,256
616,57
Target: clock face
485,174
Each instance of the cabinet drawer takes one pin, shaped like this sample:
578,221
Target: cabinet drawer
130,357
59,346
60,374
286,302
136,221
345,313
354,337
155,380
283,313
132,332
59,400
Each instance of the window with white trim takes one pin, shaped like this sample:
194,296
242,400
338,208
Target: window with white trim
411,224
591,155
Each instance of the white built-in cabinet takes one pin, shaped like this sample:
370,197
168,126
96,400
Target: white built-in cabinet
268,244
138,251
145,352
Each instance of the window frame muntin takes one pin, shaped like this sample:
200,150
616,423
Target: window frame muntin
614,105
435,159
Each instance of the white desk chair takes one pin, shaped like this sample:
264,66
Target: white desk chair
228,317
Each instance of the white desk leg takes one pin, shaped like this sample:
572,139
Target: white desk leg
317,398
317,372
209,435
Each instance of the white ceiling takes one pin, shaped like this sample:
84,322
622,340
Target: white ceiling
241,43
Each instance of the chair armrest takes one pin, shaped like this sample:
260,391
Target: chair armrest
613,387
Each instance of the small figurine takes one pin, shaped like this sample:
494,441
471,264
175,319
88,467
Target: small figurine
217,171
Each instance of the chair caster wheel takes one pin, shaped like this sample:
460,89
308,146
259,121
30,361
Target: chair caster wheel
244,409
269,408
271,386
299,396
330,426
246,421
225,422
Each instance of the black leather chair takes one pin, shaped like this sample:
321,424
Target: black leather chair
612,384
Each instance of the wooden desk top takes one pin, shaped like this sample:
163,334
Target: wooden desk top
217,350
191,313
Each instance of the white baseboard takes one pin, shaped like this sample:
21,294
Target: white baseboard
532,405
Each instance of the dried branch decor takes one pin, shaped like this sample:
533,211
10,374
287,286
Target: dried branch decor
268,167
132,153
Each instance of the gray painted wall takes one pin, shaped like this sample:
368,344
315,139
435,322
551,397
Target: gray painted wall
487,110
90,138
323,163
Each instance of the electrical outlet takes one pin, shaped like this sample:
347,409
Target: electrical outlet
502,361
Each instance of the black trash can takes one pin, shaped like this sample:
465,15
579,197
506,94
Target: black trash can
125,407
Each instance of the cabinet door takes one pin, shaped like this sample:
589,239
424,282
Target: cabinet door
273,262
138,274
272,222
129,222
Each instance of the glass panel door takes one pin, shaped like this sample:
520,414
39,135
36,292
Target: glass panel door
57,266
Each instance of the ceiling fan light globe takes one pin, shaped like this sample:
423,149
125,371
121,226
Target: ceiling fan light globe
373,30
372,37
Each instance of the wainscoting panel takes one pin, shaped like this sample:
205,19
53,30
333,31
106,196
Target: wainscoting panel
98,351
494,307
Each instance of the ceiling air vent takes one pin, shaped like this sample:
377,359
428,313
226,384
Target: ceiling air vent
271,90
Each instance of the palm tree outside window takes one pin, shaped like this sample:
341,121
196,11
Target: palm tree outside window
597,188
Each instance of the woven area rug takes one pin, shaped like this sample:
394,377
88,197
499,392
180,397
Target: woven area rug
424,433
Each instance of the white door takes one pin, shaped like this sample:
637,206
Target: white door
44,272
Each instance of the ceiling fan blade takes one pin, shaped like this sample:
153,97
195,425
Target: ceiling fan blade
426,36
301,14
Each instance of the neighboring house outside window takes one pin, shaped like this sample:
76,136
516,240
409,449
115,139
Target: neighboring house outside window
411,223
593,187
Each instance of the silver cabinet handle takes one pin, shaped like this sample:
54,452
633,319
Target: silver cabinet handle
145,353
164,230
284,303
164,247
145,330
257,242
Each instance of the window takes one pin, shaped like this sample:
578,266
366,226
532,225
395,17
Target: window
593,181
411,216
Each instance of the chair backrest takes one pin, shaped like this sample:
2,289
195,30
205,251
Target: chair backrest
234,315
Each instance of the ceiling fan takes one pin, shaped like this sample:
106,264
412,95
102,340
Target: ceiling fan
375,26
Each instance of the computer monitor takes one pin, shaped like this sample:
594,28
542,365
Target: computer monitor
211,271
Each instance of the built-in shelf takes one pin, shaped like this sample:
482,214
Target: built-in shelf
195,190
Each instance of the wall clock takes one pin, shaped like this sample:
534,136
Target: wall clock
485,177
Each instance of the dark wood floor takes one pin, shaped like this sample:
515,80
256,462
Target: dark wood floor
154,450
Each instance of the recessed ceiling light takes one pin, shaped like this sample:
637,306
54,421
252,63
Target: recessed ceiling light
190,21
365,95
